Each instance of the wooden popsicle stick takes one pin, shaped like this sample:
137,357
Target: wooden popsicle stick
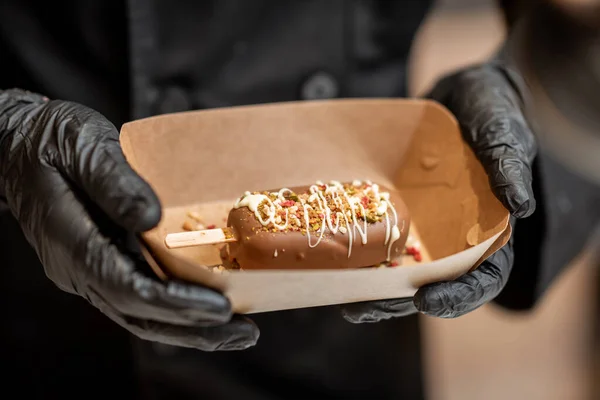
199,238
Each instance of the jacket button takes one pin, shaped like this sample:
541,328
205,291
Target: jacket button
172,99
319,86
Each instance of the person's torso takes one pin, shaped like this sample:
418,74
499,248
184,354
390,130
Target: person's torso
130,59
139,58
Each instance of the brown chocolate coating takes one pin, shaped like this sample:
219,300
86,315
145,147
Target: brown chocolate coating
257,249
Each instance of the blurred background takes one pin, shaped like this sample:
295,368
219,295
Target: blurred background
546,354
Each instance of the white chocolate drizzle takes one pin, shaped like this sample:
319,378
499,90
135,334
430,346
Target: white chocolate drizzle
268,210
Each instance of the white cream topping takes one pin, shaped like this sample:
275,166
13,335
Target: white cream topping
318,202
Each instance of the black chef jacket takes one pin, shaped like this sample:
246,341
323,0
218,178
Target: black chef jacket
136,58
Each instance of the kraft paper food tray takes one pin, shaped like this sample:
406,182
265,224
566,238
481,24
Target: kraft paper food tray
204,160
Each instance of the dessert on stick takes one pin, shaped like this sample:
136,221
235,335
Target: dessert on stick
330,225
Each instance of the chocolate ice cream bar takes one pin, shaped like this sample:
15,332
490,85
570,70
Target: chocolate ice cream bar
322,226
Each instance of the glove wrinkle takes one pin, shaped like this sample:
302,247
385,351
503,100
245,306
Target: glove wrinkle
375,311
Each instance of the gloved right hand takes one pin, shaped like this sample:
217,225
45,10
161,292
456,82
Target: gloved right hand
77,201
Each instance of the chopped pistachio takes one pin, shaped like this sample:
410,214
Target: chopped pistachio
371,219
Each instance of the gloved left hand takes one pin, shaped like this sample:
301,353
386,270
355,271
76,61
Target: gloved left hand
80,206
487,101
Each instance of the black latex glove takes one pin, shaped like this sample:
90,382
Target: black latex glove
488,104
78,203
